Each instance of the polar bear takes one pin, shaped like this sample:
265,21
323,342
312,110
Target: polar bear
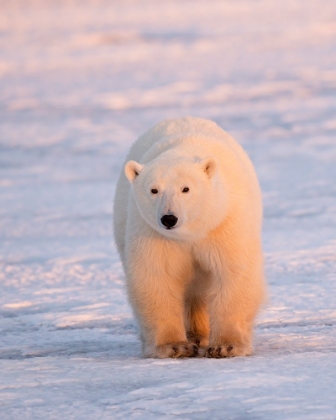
187,224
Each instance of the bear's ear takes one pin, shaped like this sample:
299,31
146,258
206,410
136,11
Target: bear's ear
132,170
209,166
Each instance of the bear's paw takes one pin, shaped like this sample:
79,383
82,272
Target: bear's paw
176,350
228,350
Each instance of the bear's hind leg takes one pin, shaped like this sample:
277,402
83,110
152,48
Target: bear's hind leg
197,317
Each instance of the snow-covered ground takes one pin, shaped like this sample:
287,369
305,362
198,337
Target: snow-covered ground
79,81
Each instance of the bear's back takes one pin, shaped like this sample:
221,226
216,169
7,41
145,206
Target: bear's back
174,132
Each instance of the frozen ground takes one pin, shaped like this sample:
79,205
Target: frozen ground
79,81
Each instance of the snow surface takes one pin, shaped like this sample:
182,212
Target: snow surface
79,81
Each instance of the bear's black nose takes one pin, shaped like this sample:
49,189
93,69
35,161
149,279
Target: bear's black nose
168,220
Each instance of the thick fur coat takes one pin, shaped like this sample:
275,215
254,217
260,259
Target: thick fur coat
187,222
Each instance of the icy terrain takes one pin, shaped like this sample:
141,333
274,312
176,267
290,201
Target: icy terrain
79,81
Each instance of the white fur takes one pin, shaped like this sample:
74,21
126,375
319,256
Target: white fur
202,280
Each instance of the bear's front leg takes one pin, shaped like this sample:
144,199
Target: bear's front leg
157,276
236,295
231,332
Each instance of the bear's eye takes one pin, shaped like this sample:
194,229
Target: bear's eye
154,191
185,190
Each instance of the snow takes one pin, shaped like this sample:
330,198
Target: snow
79,81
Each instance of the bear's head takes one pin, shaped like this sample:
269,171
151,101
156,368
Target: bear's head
177,197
